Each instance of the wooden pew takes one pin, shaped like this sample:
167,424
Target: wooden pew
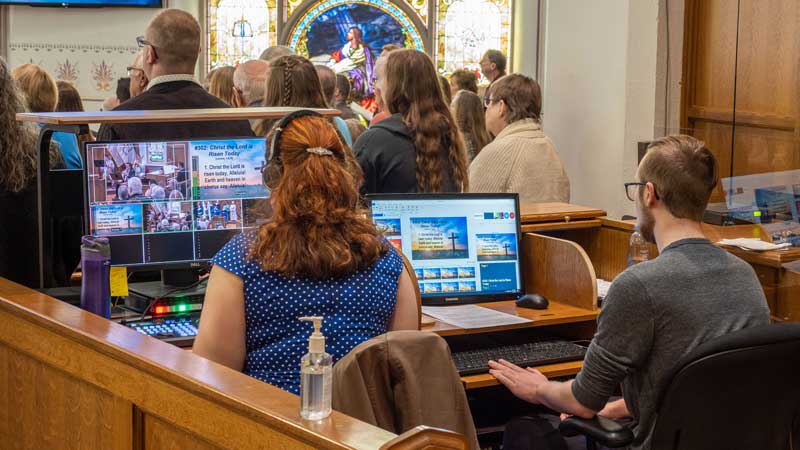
70,379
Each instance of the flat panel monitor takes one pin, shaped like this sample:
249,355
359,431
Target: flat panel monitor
464,247
173,204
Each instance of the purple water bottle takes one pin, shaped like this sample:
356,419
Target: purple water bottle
95,268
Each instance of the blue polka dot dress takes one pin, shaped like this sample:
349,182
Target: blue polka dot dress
355,308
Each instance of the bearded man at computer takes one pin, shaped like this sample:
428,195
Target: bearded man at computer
659,310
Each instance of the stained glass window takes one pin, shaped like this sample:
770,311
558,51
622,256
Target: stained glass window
298,39
291,6
421,7
467,28
239,30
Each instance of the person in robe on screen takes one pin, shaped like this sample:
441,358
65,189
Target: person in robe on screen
233,216
355,60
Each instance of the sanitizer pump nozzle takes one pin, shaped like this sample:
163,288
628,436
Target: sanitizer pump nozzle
316,343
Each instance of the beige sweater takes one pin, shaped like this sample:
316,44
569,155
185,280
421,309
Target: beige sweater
521,159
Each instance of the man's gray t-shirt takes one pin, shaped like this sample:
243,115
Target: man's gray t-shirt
658,311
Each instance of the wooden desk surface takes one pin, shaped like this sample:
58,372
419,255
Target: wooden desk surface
550,371
772,258
165,115
556,212
555,314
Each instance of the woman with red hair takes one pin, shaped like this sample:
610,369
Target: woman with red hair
319,256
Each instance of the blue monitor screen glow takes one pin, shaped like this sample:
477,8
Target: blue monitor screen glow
86,3
463,247
173,203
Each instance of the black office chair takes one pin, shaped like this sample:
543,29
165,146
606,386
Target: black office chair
739,391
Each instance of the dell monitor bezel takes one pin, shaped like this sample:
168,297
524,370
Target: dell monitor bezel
439,300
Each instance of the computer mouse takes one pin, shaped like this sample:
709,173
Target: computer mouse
532,301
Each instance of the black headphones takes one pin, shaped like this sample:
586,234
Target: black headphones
274,150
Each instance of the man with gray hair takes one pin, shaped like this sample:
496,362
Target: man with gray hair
275,52
134,188
170,48
248,83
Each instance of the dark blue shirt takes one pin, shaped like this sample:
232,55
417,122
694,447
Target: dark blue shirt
355,308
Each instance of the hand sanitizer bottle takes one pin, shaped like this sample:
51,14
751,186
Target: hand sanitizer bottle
316,371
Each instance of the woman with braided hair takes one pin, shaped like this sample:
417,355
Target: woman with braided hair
293,81
320,255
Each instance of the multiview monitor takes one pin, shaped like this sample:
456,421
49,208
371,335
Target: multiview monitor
464,248
173,204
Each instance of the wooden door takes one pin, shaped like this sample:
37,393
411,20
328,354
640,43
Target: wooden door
740,83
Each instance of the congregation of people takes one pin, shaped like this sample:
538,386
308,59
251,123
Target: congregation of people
429,134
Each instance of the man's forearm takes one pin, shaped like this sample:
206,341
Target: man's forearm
558,397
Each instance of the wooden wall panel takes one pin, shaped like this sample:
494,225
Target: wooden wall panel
768,53
5,413
159,435
48,409
717,137
559,270
764,99
194,412
788,297
714,55
763,150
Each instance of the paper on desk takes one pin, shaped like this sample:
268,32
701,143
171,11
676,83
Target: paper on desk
471,316
753,244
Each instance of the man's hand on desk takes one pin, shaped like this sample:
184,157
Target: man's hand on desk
530,385
524,383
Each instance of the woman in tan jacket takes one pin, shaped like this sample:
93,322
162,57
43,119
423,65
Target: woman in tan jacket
521,158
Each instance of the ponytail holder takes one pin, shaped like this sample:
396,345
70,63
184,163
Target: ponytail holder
320,151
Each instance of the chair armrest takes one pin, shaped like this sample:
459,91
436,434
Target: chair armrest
600,429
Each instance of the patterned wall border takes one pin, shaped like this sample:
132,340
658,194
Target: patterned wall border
73,48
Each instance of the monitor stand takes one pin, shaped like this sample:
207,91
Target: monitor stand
178,278
174,282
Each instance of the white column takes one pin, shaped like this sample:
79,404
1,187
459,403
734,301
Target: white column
525,37
599,92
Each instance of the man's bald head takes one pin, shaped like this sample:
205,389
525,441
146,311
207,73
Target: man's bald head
249,80
275,52
175,38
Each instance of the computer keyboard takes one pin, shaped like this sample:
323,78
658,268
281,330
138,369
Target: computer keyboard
177,330
531,354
